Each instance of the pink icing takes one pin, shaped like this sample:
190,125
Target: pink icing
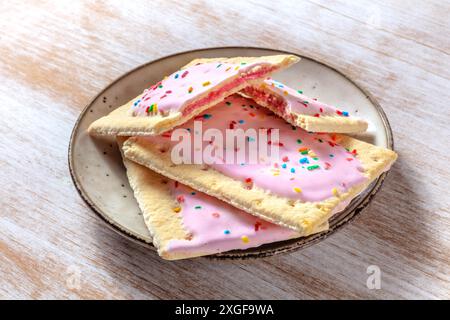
180,90
217,227
225,89
327,167
287,100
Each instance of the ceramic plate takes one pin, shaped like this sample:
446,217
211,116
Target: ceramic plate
99,176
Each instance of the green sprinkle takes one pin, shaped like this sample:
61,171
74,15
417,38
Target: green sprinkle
228,103
243,63
304,152
160,86
300,91
198,207
299,141
294,128
305,102
316,166
315,158
218,65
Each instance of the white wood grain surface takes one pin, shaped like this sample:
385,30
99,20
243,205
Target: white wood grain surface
56,55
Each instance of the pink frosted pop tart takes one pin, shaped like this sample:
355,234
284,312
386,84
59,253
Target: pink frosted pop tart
186,93
185,223
314,176
302,111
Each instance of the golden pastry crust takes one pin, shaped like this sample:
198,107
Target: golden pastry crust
156,203
120,122
303,217
280,61
336,124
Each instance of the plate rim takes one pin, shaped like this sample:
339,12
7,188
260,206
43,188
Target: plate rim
234,254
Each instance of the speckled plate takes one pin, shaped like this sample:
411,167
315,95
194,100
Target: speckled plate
99,176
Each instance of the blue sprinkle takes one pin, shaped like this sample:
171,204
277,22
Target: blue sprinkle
207,116
280,86
345,113
193,193
331,155
284,165
242,164
176,76
304,160
227,232
137,102
241,121
292,170
250,139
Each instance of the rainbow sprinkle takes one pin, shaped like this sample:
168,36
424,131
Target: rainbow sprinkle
304,160
335,192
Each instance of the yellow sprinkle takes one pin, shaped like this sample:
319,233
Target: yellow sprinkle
245,239
335,192
236,68
176,209
263,85
276,174
285,92
312,154
297,189
227,68
207,83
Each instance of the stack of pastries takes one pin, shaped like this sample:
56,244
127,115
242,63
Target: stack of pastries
194,208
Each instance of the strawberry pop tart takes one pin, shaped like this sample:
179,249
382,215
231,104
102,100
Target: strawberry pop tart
315,176
302,111
185,223
186,93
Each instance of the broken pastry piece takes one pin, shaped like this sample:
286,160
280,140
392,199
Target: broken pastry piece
185,223
315,176
184,94
301,111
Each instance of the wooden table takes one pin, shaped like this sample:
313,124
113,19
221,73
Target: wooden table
56,55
